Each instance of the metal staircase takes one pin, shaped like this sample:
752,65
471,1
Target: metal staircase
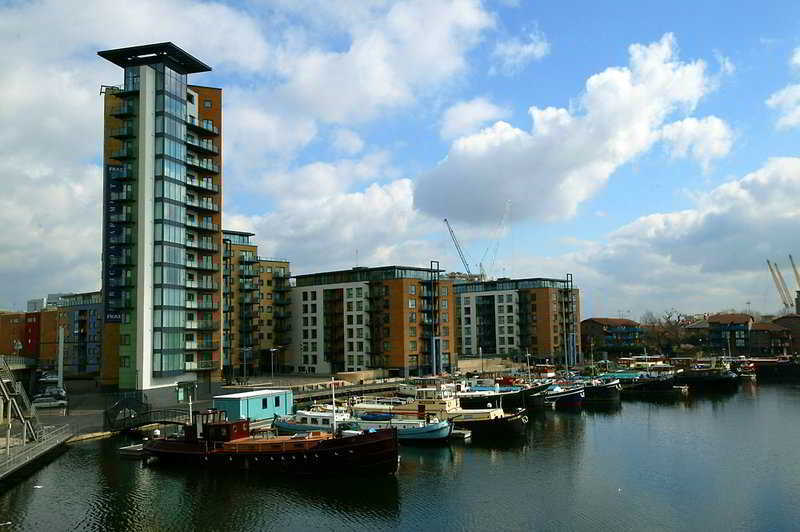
20,407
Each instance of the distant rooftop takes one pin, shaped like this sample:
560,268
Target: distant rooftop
147,54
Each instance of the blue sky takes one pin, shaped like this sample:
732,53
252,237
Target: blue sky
647,148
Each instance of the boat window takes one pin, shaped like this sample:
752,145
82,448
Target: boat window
303,419
314,421
326,421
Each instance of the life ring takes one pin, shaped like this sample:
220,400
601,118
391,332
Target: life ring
524,419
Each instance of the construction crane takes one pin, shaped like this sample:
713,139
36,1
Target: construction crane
796,274
458,247
779,284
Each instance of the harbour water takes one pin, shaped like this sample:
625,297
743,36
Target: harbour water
713,463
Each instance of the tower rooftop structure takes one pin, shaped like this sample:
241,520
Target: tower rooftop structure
164,52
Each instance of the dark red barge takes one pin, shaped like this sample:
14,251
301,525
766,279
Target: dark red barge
231,444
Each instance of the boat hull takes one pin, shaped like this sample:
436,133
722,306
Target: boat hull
430,432
508,424
704,380
565,399
371,453
509,401
609,392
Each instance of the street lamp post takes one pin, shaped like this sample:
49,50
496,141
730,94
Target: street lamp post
272,351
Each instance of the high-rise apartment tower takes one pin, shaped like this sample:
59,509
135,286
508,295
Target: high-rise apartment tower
162,199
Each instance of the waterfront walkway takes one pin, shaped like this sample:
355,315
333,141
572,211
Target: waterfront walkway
17,453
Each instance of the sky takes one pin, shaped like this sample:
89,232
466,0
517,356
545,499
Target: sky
649,149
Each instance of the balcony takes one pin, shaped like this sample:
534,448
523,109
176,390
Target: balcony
121,218
205,226
124,154
125,132
202,365
201,164
126,240
203,325
202,285
124,195
126,109
247,328
282,301
248,286
121,261
248,259
199,127
201,345
204,146
202,184
202,265
199,244
121,174
247,272
202,204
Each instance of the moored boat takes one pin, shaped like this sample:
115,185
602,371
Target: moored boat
564,396
215,441
599,391
707,379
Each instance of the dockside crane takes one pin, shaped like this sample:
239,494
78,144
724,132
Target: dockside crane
779,285
458,247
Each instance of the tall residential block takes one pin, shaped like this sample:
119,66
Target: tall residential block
516,317
162,196
397,318
255,313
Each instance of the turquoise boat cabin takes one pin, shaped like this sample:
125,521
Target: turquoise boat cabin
257,405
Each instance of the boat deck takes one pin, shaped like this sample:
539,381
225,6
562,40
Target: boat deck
297,442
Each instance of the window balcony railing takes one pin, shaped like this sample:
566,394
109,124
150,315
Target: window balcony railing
199,244
202,204
202,325
122,217
125,195
124,153
203,184
126,109
202,127
202,285
122,239
202,265
203,145
202,365
202,164
206,226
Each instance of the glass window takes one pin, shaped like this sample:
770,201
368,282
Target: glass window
206,103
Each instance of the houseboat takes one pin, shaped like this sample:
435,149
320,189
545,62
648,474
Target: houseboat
212,440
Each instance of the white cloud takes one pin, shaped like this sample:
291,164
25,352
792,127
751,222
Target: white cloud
704,139
325,232
396,52
787,102
319,180
705,258
726,66
566,157
466,116
513,55
794,60
347,141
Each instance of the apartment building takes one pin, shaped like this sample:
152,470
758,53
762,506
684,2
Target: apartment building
255,315
612,337
516,317
162,198
397,318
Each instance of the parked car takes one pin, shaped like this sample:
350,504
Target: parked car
48,376
54,392
49,402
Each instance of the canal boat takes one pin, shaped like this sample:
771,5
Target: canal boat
212,440
599,391
564,395
644,386
708,379
507,397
